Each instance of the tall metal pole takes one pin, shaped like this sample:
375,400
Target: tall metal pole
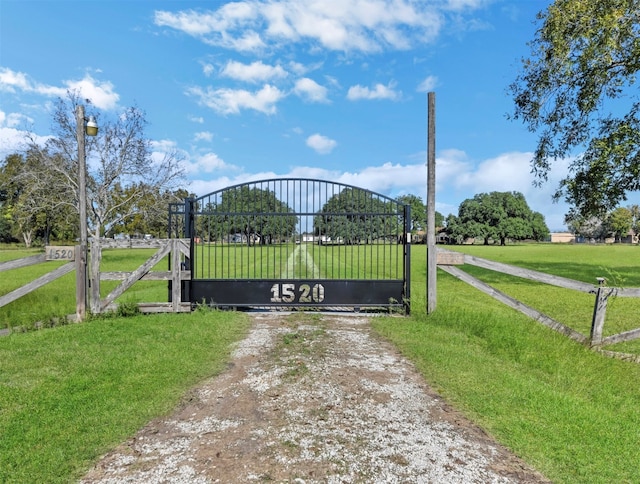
431,204
81,267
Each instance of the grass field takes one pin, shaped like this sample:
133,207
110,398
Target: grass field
571,413
70,393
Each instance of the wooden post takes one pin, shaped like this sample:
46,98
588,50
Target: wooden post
432,266
599,312
176,269
82,210
81,284
96,259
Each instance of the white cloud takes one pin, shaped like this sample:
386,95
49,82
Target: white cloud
310,90
364,25
232,101
12,139
507,172
101,94
254,72
208,69
428,84
321,144
388,178
380,91
203,136
12,81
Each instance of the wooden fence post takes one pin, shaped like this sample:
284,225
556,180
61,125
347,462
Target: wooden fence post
175,275
96,259
81,283
599,312
432,267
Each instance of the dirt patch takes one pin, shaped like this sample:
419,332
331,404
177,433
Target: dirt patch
313,398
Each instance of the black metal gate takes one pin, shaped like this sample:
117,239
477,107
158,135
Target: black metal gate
295,242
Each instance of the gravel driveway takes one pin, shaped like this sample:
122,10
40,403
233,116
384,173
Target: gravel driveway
313,398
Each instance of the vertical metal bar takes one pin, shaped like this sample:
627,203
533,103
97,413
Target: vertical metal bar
407,260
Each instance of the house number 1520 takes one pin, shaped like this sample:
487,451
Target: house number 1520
287,293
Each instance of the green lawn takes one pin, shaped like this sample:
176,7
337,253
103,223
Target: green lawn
67,394
571,413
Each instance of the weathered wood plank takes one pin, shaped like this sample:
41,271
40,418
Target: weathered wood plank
176,293
621,337
136,275
24,262
150,276
449,258
37,283
515,304
137,243
630,357
627,292
530,274
164,307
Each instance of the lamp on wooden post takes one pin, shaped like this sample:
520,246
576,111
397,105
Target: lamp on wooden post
82,129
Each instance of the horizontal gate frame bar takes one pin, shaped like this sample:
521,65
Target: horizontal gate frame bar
297,292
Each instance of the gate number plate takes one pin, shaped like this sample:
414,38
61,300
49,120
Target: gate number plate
305,293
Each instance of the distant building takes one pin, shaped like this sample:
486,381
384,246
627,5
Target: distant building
562,238
630,238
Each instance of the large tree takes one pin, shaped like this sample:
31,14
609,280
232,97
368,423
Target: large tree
497,216
357,216
121,169
577,92
620,222
34,209
256,213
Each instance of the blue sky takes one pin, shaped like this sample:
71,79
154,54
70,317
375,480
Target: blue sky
329,89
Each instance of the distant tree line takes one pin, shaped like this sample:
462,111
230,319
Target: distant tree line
616,224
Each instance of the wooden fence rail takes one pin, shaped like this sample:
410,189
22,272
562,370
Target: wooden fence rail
175,248
35,284
449,262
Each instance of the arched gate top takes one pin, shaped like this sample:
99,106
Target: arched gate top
315,183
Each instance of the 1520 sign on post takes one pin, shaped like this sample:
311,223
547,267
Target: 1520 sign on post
63,253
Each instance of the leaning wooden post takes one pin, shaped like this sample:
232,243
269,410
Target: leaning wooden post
432,266
599,311
96,258
81,283
175,275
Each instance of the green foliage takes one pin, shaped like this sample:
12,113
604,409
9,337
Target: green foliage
357,216
620,222
419,212
497,216
576,90
250,211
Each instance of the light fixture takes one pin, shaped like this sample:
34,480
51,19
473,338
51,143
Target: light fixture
91,128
